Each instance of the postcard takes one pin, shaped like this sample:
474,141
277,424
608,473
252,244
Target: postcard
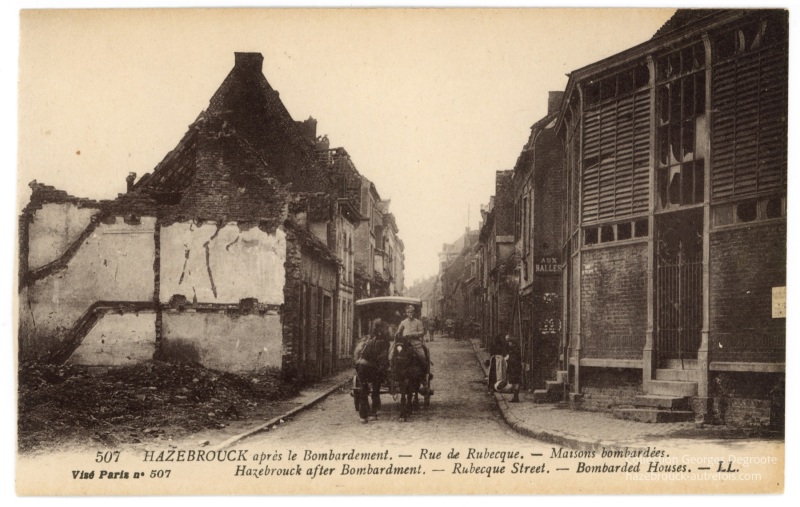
401,251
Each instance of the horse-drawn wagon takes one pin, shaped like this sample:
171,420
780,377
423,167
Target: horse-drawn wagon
378,320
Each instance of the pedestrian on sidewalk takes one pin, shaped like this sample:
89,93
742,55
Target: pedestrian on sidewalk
497,366
514,366
498,345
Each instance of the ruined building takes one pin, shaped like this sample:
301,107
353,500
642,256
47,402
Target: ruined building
378,251
238,252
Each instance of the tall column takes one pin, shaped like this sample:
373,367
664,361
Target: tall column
649,353
702,402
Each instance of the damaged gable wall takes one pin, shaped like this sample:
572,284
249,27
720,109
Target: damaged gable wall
81,260
200,261
222,255
207,271
102,290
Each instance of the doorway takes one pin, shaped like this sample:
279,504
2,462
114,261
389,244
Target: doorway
678,286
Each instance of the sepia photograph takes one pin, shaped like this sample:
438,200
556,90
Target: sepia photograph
400,251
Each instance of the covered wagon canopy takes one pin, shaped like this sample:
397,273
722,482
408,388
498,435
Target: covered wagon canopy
388,308
399,300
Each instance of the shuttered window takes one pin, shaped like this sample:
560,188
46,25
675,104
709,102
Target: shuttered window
749,97
616,146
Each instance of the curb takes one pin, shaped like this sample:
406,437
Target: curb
277,419
545,435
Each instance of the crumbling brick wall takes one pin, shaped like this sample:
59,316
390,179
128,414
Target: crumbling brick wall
748,399
604,389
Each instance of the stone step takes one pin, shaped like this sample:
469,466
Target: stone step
554,386
545,396
662,402
677,375
562,377
671,388
679,364
652,415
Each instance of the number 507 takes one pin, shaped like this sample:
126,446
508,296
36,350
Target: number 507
107,457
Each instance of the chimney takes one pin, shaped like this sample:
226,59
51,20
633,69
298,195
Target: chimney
554,101
129,180
250,62
308,128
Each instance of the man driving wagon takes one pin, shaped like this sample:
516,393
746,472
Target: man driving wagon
380,320
413,331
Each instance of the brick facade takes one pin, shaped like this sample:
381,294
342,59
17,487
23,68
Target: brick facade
614,302
743,273
675,206
605,389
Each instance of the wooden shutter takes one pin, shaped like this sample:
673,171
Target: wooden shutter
641,152
591,159
623,171
772,128
748,137
616,159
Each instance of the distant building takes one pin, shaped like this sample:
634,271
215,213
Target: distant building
424,290
458,278
538,195
497,264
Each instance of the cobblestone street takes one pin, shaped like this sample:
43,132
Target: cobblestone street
461,411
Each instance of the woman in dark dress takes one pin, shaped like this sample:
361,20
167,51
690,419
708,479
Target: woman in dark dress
514,368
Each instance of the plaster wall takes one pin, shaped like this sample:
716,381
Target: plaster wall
115,263
211,264
223,341
118,340
53,228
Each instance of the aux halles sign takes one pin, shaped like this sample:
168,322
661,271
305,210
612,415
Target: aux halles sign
547,266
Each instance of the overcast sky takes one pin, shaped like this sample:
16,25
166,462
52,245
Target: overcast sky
429,103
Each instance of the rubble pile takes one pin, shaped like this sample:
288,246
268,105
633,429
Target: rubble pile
155,400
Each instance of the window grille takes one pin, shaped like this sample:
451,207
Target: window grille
679,286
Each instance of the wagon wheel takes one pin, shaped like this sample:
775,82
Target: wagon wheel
354,393
427,390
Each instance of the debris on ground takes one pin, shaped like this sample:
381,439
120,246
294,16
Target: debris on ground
156,400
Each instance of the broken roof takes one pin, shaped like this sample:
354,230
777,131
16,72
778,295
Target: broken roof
248,109
684,18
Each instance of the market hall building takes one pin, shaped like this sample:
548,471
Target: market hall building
674,222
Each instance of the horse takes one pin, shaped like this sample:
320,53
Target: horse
371,365
408,373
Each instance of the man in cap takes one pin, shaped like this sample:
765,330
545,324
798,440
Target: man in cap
413,329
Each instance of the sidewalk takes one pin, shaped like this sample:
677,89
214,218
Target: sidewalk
558,425
552,423
308,397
